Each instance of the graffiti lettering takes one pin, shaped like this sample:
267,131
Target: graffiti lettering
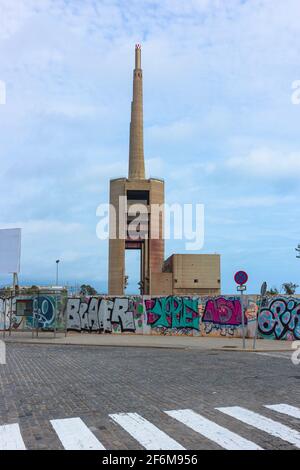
97,314
222,316
27,312
280,319
222,330
223,311
173,312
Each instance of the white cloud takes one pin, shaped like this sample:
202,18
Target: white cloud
191,171
154,167
72,110
215,71
256,201
13,15
267,163
174,131
44,226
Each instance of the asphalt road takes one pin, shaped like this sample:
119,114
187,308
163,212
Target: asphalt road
135,398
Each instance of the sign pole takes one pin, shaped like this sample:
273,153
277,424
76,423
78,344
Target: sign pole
55,318
13,296
10,312
263,291
241,277
65,320
256,326
243,318
33,318
4,318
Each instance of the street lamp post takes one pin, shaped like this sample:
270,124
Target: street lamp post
298,251
55,319
57,263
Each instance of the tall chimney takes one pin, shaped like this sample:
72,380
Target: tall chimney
136,143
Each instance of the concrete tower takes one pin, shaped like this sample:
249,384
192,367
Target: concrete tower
136,142
136,196
139,199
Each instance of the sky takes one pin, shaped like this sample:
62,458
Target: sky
220,127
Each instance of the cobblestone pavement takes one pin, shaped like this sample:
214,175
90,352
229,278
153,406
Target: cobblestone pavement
41,383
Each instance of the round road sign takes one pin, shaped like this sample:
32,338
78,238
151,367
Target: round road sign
241,277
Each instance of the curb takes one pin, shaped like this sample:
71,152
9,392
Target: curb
226,349
97,345
254,350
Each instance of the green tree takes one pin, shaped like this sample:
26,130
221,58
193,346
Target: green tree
33,290
272,291
289,288
86,290
5,291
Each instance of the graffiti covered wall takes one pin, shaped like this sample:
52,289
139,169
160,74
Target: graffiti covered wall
278,319
31,311
222,317
106,314
171,315
194,316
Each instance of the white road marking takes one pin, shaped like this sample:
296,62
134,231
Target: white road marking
222,436
10,437
75,435
148,435
285,409
280,355
264,424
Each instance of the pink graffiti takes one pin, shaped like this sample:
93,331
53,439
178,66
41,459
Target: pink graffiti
152,317
223,311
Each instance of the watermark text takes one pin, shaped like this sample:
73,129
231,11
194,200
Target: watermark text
2,92
135,221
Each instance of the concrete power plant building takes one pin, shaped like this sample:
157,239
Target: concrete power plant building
179,274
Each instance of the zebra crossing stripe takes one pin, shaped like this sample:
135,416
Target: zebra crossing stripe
263,423
75,435
148,435
285,409
10,437
222,436
282,355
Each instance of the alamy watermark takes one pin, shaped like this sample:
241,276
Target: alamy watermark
296,354
2,92
135,222
295,98
2,352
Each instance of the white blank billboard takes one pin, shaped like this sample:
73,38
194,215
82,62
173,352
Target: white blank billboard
10,250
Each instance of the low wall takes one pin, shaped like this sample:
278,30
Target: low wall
26,312
278,319
195,316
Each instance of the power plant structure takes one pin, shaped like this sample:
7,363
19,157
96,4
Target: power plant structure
181,273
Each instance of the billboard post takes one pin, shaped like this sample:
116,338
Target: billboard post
10,253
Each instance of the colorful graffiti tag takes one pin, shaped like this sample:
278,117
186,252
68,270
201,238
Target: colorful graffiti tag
118,314
280,319
173,313
28,312
133,314
7,314
222,316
